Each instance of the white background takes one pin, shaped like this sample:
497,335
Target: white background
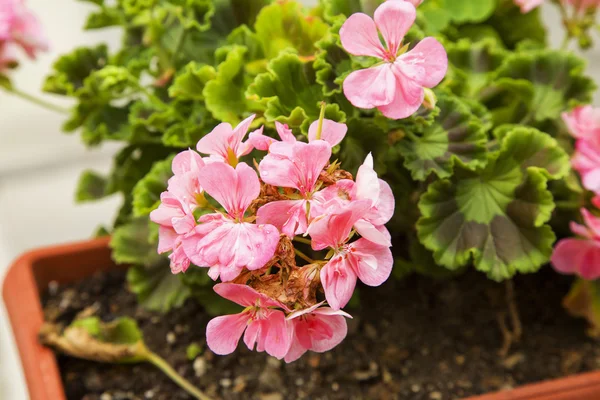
39,166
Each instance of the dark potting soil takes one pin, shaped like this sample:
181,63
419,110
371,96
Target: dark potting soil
416,338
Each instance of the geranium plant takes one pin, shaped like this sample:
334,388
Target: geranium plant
267,145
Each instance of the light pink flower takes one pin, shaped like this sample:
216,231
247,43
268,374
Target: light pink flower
227,243
332,132
316,329
367,187
528,5
365,260
225,143
18,25
586,161
184,183
264,326
396,86
583,122
294,165
580,256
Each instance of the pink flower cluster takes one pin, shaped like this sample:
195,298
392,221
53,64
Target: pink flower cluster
18,28
249,228
396,85
581,256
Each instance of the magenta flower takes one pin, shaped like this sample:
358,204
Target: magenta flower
528,5
366,187
264,326
226,242
317,329
225,143
586,161
583,122
363,259
395,86
19,26
580,256
298,166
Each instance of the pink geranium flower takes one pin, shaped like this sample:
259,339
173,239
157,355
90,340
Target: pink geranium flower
528,5
184,183
332,132
583,122
316,329
226,242
264,326
366,187
363,259
18,25
396,86
580,256
586,161
224,143
294,165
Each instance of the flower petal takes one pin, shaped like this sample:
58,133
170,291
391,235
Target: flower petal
223,333
359,36
336,324
186,161
339,280
426,63
215,142
289,216
243,295
394,19
332,132
377,235
408,98
373,262
576,256
279,335
371,87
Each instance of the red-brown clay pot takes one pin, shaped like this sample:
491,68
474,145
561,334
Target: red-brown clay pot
31,273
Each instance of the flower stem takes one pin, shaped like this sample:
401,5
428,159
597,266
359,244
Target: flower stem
304,256
302,240
37,101
186,385
321,118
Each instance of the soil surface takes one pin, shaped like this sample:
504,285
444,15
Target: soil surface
416,338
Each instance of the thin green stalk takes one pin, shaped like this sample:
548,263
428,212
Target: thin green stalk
302,240
321,118
304,256
186,385
37,101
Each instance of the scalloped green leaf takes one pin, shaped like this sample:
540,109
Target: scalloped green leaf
472,66
190,82
513,26
544,84
438,14
106,17
130,244
284,25
292,93
146,193
71,70
496,217
332,64
91,186
456,137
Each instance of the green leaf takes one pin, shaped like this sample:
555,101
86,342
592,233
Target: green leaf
583,301
456,136
91,186
71,70
336,10
283,25
146,193
157,288
99,122
106,17
332,64
292,93
200,285
513,26
190,82
496,217
194,14
130,244
438,14
544,83
472,66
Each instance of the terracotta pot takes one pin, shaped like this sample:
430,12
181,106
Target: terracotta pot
31,273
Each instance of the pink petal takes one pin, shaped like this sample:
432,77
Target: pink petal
394,19
371,87
166,239
576,256
426,63
179,261
215,142
332,230
241,149
169,208
244,295
289,216
373,262
254,333
296,351
336,324
260,141
279,335
332,132
367,182
339,280
187,161
592,222
285,133
359,36
376,234
223,333
408,98
383,209
234,189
